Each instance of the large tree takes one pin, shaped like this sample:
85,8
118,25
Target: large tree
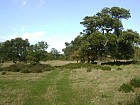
104,36
14,49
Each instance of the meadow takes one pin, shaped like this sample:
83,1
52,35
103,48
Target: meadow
70,84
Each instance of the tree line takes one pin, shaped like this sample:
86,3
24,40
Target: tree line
20,50
104,37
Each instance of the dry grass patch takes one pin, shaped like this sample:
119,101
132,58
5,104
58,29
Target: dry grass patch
102,86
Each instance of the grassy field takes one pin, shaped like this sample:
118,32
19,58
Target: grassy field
65,86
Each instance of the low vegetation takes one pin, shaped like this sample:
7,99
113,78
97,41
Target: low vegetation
70,84
27,68
126,88
135,82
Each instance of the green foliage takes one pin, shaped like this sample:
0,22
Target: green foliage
37,52
77,65
1,69
119,68
126,88
135,82
38,68
89,70
3,72
47,67
106,68
13,68
103,36
14,49
25,70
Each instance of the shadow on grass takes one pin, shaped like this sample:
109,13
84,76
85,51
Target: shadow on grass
118,63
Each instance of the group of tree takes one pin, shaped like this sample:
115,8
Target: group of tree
20,50
104,37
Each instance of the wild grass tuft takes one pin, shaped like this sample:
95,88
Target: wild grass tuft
135,82
106,68
119,68
126,88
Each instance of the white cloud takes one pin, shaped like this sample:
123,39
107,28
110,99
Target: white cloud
34,37
58,42
54,41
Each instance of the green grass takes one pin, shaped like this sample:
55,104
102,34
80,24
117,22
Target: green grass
38,89
69,85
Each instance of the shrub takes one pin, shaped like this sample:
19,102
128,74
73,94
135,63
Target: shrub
76,65
25,70
3,72
36,69
89,70
46,67
135,82
1,69
119,68
13,68
98,67
106,68
126,88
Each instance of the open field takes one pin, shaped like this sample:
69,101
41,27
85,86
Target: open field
64,86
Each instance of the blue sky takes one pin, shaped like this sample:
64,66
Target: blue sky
56,21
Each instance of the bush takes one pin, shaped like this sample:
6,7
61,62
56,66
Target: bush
126,88
135,82
89,70
77,65
36,69
1,69
13,68
3,72
47,68
98,67
25,70
106,68
119,68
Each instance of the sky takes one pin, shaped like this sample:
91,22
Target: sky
56,21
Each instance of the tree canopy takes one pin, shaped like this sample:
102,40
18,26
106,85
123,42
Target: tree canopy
104,36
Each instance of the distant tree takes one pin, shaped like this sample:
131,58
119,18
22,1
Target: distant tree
55,54
37,52
15,49
2,53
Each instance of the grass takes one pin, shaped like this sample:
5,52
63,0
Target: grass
69,85
38,90
126,88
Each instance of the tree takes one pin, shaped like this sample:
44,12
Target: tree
54,53
15,49
106,21
2,54
104,36
37,52
126,44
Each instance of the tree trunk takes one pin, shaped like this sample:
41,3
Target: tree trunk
88,60
99,62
